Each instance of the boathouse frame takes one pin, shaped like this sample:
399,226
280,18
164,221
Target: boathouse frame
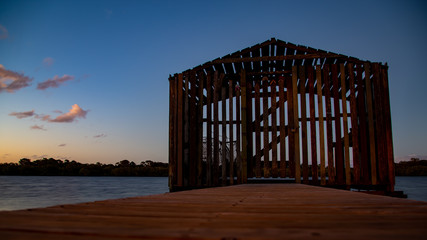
280,111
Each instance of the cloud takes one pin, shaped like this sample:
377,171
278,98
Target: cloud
48,61
20,115
100,136
108,13
37,127
74,113
3,32
55,82
11,81
62,145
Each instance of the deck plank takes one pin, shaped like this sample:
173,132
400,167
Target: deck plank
253,211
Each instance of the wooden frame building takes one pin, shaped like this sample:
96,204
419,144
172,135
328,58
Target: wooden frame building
281,111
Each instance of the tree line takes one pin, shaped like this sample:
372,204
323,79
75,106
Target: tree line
55,167
413,167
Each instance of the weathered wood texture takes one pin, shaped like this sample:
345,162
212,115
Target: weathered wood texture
273,125
257,211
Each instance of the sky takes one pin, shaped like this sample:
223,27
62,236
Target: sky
88,80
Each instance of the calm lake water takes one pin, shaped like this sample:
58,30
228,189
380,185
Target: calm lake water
23,192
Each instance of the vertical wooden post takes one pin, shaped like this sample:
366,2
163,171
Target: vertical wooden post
224,135
312,124
274,169
249,130
231,129
327,89
180,138
371,124
321,127
185,164
345,126
291,126
193,132
282,127
339,163
172,131
216,131
388,128
303,124
265,127
209,130
362,126
244,129
200,131
354,124
257,133
296,124
238,150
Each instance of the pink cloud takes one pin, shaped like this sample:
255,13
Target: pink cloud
55,82
74,113
100,136
48,61
20,115
11,81
3,32
37,127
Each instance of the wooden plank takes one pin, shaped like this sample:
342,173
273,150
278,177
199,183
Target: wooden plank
193,131
180,137
304,140
244,128
282,172
215,169
313,137
267,211
372,157
231,129
292,126
186,158
296,124
345,126
364,157
274,167
339,161
224,135
209,160
379,125
388,128
321,127
172,131
200,131
238,150
331,167
354,125
257,133
265,86
249,130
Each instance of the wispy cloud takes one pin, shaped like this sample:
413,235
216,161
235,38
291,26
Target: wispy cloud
11,81
62,145
22,114
102,135
47,62
38,127
54,82
74,113
3,32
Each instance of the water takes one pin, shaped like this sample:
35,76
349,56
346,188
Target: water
23,192
415,187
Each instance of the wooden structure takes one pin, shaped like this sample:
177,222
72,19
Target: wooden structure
281,111
246,211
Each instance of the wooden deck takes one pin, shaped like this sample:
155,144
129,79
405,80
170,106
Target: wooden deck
255,211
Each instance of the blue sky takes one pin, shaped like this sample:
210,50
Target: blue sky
97,71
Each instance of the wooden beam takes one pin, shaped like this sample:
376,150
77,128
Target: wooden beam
313,137
321,127
231,129
371,125
238,150
200,133
364,158
224,135
339,161
265,86
172,132
304,140
296,124
345,126
257,132
331,167
216,130
244,129
274,167
282,171
209,159
354,125
180,137
292,127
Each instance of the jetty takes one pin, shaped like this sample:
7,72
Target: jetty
246,211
